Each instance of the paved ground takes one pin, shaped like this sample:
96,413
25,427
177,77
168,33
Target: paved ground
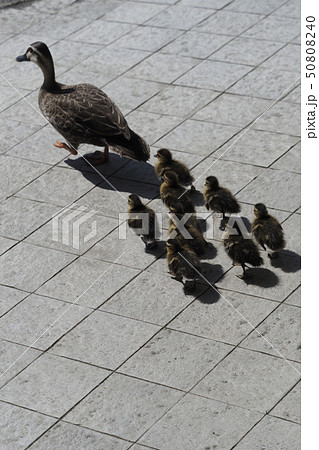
135,363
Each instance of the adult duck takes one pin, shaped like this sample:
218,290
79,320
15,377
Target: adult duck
83,114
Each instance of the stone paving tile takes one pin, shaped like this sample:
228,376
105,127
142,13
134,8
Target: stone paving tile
294,96
260,148
292,230
28,266
13,132
25,111
12,21
130,93
225,75
256,83
53,235
289,407
122,59
289,9
75,282
28,77
20,427
226,320
5,244
9,297
89,9
104,340
13,359
272,433
265,187
158,299
152,126
47,188
282,331
39,321
294,298
10,96
124,406
201,423
252,380
70,53
274,280
232,175
288,58
281,118
229,23
273,29
212,4
246,51
199,138
163,68
148,38
179,101
180,17
57,27
66,436
136,12
290,161
80,74
100,31
176,359
20,217
235,110
196,44
257,6
24,172
52,385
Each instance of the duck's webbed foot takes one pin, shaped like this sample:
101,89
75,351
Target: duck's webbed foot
98,157
66,147
244,275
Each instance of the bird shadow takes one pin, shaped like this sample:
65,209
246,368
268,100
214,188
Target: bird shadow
197,197
211,251
211,273
261,277
210,297
115,176
287,261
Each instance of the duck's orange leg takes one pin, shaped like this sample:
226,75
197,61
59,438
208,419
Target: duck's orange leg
66,147
102,158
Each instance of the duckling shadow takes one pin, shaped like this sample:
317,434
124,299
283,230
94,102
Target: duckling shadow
197,198
211,273
210,297
102,176
211,251
159,251
287,261
261,277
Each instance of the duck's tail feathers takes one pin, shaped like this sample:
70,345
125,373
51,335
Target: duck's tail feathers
135,148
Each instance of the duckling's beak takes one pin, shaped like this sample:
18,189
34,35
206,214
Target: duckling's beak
22,58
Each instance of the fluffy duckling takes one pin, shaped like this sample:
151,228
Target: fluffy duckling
240,249
166,162
171,192
182,263
267,230
195,239
138,209
219,199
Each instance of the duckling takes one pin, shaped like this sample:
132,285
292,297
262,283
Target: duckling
138,209
83,114
182,263
241,250
171,192
166,162
267,230
219,199
195,239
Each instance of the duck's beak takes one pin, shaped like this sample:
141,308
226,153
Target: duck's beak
22,58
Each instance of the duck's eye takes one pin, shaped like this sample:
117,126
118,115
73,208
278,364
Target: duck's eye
30,50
